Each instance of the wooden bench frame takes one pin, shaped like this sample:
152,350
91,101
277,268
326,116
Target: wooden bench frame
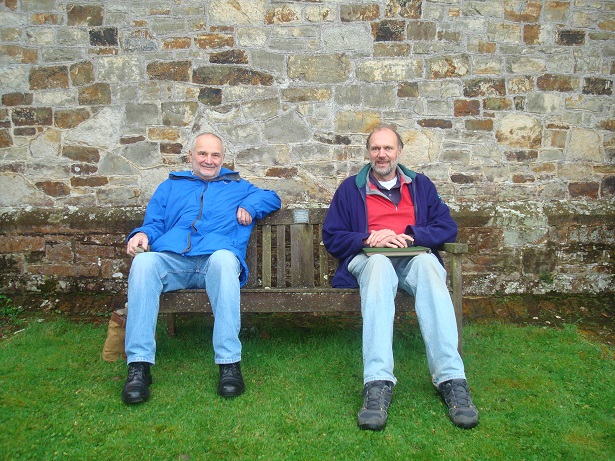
290,271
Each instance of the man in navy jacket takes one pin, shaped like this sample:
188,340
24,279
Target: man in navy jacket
197,226
387,205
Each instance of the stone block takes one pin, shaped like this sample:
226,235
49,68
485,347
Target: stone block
466,107
32,116
214,41
70,118
435,123
409,9
421,30
520,130
584,189
389,31
89,181
178,71
230,75
17,99
139,41
82,73
356,121
563,83
53,188
210,96
599,86
570,37
350,12
477,87
81,153
479,125
237,12
389,70
19,54
42,78
283,14
6,140
180,113
98,94
522,10
84,15
176,43
229,57
105,36
449,66
330,68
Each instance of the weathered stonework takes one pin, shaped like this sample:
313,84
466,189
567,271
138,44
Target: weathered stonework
505,104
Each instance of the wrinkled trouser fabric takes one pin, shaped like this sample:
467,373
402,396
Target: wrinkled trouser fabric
423,277
153,273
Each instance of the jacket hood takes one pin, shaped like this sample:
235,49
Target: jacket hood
361,178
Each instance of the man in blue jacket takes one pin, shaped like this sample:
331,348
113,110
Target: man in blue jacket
197,226
387,205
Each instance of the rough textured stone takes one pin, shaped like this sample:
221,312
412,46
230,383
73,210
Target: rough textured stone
410,9
96,94
24,116
17,99
106,36
230,75
84,15
389,70
518,130
214,41
48,77
179,71
319,68
178,113
82,73
449,66
70,118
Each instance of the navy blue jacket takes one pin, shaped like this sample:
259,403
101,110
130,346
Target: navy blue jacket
345,226
190,216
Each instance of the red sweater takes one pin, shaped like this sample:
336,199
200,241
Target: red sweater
383,214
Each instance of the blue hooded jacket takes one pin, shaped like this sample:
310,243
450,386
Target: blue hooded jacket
345,226
190,216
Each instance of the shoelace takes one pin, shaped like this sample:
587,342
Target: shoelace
459,395
376,398
135,371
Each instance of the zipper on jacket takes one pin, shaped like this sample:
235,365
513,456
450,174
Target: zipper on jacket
192,225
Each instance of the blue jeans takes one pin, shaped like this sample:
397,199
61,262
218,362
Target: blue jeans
424,277
154,273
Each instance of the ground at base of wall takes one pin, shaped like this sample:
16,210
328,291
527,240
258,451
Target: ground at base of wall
593,314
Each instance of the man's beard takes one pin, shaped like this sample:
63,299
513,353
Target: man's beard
384,170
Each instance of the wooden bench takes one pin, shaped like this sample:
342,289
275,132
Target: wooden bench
290,271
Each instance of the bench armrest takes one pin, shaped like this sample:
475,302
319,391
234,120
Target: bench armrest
455,247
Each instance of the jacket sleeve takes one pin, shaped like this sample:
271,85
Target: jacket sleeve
439,226
260,202
153,223
341,231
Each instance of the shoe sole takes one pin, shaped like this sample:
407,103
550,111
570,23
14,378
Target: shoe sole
230,394
371,427
128,401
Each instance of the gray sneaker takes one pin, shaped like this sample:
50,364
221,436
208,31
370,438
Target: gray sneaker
461,410
377,397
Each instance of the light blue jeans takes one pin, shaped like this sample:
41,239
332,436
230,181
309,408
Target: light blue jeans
153,273
424,277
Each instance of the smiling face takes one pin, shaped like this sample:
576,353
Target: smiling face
206,156
384,151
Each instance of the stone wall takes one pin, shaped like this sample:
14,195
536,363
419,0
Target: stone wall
506,104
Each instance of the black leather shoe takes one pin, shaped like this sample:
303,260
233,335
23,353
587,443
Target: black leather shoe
136,388
231,382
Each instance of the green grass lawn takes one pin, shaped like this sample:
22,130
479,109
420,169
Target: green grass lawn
543,394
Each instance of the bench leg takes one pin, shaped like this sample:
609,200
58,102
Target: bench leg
171,324
457,286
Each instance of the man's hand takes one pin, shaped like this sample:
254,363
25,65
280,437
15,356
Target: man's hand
243,217
137,240
386,238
